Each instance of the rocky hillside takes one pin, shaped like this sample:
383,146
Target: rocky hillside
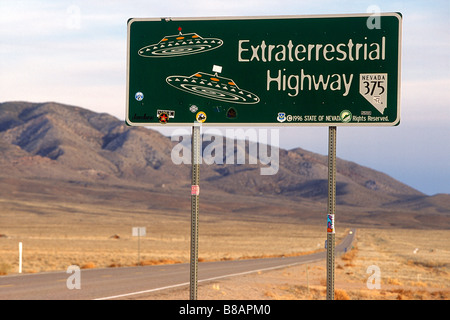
70,144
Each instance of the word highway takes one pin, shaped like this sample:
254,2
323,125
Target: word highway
304,79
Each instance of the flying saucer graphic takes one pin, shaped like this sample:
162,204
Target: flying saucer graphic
180,45
213,86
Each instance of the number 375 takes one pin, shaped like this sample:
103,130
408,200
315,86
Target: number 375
370,87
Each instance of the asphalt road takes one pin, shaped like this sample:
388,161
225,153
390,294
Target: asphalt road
129,282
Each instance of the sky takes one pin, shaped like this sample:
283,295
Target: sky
74,52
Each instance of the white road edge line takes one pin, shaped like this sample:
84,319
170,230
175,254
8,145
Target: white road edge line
204,280
141,292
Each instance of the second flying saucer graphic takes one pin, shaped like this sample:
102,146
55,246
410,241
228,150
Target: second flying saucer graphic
213,87
180,45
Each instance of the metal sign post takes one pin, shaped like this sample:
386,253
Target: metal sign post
139,232
20,257
195,191
331,211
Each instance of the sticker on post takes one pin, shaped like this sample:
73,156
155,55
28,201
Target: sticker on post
330,223
195,190
373,87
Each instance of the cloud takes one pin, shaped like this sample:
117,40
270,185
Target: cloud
26,19
74,52
425,101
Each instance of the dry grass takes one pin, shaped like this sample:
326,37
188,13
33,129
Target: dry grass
89,265
5,268
341,295
405,274
96,236
158,262
350,255
414,264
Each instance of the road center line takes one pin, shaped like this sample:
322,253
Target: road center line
141,292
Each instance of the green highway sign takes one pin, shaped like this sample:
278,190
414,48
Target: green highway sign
330,70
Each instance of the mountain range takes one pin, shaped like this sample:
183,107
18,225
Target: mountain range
55,151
